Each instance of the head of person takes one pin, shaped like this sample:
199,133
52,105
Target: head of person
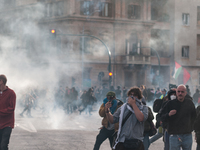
111,95
171,95
3,79
136,92
165,98
181,92
197,90
164,91
112,88
158,89
142,87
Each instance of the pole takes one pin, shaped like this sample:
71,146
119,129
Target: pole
82,56
109,52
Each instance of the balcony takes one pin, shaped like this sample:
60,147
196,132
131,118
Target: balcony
133,59
142,59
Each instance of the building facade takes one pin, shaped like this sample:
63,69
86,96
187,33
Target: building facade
145,37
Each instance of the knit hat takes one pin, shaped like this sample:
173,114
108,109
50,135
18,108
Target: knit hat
110,93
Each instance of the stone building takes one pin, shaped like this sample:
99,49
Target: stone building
133,30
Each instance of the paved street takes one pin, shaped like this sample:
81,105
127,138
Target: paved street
60,132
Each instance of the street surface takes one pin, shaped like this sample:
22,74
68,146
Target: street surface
57,131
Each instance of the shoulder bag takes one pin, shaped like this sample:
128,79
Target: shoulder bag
128,143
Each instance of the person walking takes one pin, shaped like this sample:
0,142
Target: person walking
7,108
108,129
130,133
180,116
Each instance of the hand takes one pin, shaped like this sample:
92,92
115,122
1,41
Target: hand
131,101
172,112
107,106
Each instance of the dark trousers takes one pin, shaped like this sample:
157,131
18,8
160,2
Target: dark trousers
102,136
120,146
5,137
198,147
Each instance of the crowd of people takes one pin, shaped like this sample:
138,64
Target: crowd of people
131,119
127,123
73,100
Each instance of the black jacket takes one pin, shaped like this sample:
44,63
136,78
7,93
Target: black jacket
182,122
197,121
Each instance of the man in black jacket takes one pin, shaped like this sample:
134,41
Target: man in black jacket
179,115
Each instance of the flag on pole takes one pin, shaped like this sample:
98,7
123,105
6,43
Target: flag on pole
178,69
186,76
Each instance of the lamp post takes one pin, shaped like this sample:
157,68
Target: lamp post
109,52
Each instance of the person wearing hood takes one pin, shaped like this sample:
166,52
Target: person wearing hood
107,129
130,133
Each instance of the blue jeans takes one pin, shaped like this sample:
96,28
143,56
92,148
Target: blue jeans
146,141
177,141
166,140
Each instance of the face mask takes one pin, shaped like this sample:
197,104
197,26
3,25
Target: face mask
173,97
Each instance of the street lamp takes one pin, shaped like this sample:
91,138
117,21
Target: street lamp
109,52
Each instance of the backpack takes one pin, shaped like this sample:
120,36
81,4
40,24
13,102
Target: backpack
157,105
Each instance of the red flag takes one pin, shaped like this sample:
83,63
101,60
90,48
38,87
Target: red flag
186,76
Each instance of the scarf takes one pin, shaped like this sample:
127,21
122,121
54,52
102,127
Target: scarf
113,107
123,107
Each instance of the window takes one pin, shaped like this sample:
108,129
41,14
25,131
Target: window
154,14
198,46
85,45
134,11
185,19
185,51
9,3
49,10
133,45
54,9
199,78
87,8
198,15
105,9
59,8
